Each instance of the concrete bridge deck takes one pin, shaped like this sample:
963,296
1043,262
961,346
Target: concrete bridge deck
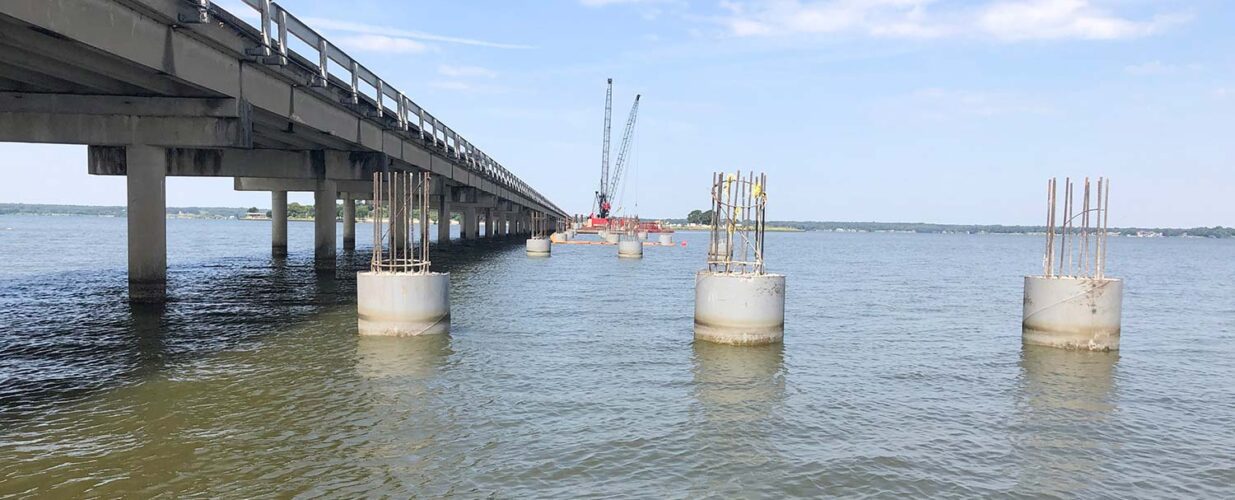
181,87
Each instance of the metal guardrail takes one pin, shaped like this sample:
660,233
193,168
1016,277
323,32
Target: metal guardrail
277,24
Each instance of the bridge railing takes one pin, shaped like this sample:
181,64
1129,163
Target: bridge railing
277,25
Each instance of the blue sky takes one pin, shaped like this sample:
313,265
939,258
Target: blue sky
890,110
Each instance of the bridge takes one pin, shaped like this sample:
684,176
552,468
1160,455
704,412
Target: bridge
183,88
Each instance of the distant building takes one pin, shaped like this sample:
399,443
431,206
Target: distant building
256,216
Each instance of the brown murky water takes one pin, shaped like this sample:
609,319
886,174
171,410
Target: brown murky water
902,373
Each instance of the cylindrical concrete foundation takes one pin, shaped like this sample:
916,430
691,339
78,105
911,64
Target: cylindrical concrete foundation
402,304
630,247
539,247
611,237
739,309
666,239
1072,313
643,235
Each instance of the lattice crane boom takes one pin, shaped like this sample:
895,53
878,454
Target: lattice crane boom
602,195
624,150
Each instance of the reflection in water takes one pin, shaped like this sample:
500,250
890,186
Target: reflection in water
148,329
738,383
739,390
1064,433
406,404
417,357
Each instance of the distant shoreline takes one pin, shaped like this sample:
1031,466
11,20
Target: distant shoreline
238,213
1217,232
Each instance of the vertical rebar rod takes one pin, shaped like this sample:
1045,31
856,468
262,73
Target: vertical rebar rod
377,239
1098,241
1046,254
763,225
1064,253
390,212
1106,214
1083,261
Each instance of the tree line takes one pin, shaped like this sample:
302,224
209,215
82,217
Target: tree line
700,217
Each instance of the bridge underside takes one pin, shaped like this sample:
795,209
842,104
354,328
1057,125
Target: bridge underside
153,97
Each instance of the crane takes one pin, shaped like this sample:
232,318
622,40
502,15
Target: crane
603,194
608,184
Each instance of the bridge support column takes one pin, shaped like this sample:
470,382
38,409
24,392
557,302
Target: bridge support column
147,221
443,220
489,229
324,225
469,223
399,225
278,223
349,222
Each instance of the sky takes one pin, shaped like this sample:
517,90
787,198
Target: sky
949,111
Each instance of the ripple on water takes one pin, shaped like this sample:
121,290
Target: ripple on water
902,374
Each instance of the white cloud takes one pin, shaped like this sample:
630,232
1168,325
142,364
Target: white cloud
352,27
466,71
1058,19
380,43
898,18
1009,20
244,11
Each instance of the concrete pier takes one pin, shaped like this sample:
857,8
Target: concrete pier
278,223
1072,313
539,247
630,247
402,304
349,222
739,309
324,225
665,240
489,222
147,223
443,220
469,229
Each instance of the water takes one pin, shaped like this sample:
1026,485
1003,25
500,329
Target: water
902,373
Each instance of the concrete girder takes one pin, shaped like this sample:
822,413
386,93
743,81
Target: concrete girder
20,102
120,130
125,120
17,37
357,190
270,163
23,62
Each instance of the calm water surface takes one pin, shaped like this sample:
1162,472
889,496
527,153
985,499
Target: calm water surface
902,373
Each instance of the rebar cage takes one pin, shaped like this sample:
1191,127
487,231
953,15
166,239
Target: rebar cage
399,244
540,225
738,223
1081,251
630,226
